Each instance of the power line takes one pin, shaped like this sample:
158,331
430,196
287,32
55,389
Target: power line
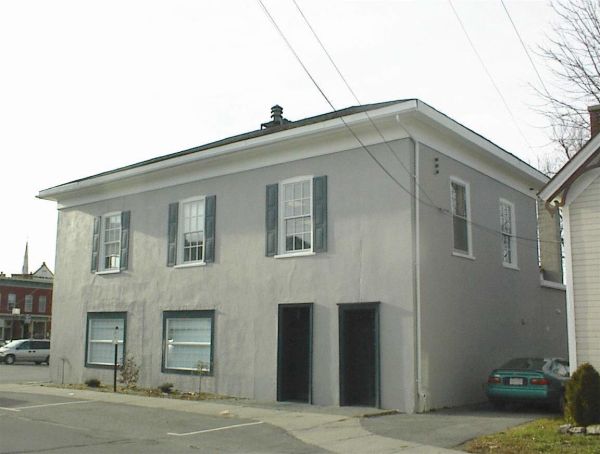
442,210
514,26
489,74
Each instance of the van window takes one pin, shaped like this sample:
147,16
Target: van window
24,346
40,345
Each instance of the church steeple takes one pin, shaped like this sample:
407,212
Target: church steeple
25,269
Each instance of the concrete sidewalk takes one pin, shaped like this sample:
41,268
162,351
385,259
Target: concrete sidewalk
336,429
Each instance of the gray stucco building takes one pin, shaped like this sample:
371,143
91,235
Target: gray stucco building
381,255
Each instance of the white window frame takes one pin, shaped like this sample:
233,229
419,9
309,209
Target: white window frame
102,259
42,304
169,316
28,305
513,263
180,232
283,218
12,304
458,252
117,318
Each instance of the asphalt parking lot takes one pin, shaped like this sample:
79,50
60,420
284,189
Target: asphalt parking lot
45,423
24,373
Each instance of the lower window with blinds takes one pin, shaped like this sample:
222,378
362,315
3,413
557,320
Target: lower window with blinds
188,342
103,328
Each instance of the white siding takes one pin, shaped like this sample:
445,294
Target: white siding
585,245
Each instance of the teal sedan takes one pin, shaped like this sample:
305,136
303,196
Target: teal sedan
534,380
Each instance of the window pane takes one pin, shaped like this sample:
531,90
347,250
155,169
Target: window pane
459,200
289,243
288,191
306,189
101,349
461,240
188,343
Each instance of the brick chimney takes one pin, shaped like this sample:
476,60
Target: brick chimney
594,119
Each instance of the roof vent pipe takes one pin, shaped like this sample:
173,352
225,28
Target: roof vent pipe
276,118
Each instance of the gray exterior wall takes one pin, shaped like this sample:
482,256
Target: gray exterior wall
476,314
369,259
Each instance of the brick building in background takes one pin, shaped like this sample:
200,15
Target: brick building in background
31,294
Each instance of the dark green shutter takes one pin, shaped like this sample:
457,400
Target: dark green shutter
96,244
271,219
320,214
172,235
210,209
124,261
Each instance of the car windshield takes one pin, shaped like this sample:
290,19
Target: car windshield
525,364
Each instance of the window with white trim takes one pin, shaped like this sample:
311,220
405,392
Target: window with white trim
42,304
28,303
296,223
12,301
461,217
508,231
101,329
188,341
110,252
191,232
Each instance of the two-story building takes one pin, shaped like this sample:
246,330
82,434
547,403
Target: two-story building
26,305
381,255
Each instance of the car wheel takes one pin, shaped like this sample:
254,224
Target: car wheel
10,359
47,360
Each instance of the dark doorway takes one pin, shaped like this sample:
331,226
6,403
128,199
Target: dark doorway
359,354
294,365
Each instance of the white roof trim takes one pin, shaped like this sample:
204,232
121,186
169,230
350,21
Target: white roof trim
526,172
569,168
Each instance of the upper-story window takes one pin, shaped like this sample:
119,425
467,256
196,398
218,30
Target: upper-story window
296,217
509,232
12,301
110,242
42,304
461,217
28,303
191,235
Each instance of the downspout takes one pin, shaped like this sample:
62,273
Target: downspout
419,398
571,338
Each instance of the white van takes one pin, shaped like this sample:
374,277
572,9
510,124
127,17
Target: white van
31,350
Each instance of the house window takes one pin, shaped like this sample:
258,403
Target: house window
296,220
101,329
111,241
191,231
28,303
12,301
508,230
461,214
188,341
42,304
191,235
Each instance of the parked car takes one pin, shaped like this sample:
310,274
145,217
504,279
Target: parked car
30,350
535,380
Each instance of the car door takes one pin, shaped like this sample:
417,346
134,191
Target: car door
23,352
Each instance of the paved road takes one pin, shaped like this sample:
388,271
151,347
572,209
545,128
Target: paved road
46,423
24,373
452,427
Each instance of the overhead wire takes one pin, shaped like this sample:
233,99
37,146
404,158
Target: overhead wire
489,75
442,210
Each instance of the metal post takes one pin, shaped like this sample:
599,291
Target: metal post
116,342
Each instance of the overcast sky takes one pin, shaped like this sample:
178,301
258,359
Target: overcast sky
90,86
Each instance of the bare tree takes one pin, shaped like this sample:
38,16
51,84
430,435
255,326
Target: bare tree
573,57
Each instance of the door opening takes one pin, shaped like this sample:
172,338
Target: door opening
359,354
294,358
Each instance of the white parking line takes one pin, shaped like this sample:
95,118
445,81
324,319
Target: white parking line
218,428
9,409
49,405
